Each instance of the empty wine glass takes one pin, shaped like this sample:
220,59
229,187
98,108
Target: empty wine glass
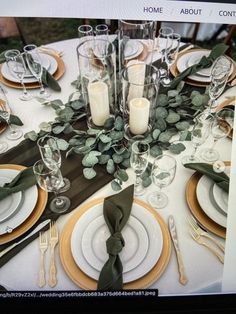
35,66
101,30
220,128
17,67
139,162
50,154
85,32
163,173
171,53
219,75
199,134
50,180
164,42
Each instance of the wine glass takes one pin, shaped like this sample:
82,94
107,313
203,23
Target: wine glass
35,66
101,30
163,173
164,42
220,129
17,67
219,75
85,32
50,154
139,162
199,134
50,180
171,53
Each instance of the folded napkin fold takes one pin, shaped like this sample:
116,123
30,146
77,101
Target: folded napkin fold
116,211
21,182
47,78
205,62
220,178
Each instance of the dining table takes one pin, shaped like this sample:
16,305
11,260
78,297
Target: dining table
203,269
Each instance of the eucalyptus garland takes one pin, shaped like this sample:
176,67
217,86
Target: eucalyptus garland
175,111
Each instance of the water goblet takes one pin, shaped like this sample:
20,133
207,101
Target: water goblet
171,53
199,134
35,66
17,67
50,154
164,42
139,162
220,129
163,173
50,179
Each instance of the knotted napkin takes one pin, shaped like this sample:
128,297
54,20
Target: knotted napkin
205,62
47,78
21,182
220,178
116,211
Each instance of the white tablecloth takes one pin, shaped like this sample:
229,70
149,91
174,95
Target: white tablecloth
202,267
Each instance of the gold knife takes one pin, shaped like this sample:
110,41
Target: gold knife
172,228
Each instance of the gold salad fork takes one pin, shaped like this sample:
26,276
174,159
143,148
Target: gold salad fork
54,237
203,233
200,240
43,245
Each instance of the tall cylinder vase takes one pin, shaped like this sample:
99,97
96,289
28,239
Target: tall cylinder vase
97,69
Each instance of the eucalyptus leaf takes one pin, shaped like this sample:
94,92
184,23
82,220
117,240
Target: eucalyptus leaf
103,147
126,163
161,112
58,129
92,131
162,175
109,123
177,148
65,114
155,151
45,126
104,138
77,104
160,124
182,125
103,159
194,93
90,141
172,93
146,182
89,173
197,100
81,149
172,117
62,144
115,186
89,160
122,175
162,100
116,135
185,135
32,135
155,134
117,158
110,166
119,123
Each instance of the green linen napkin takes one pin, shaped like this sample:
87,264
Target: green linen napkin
47,78
116,211
221,178
21,182
205,62
12,120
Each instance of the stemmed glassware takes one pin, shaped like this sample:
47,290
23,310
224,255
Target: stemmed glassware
35,66
85,32
50,154
50,179
163,173
101,30
199,134
220,128
219,75
171,53
139,162
17,67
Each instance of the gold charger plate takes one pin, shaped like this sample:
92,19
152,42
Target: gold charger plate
58,74
34,216
195,208
87,283
174,71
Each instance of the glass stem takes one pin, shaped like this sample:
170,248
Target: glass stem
24,88
137,181
42,90
213,145
193,153
59,202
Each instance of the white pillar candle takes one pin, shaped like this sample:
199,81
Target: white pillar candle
139,115
136,77
99,102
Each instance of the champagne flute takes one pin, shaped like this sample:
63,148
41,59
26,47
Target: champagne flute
199,134
163,173
171,53
17,67
34,63
50,180
50,154
139,162
164,42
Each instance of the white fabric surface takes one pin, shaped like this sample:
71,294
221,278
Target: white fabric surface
202,267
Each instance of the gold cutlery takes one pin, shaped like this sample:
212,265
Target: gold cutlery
196,237
43,245
186,49
182,275
51,50
192,222
39,227
53,242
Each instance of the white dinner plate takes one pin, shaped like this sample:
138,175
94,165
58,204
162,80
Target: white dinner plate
136,45
10,203
148,221
45,57
29,199
220,197
204,190
94,243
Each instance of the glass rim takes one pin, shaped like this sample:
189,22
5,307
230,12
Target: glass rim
29,45
12,50
94,40
48,170
167,28
141,142
129,22
97,28
43,137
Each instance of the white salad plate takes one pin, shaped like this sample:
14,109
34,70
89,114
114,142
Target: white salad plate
28,202
148,221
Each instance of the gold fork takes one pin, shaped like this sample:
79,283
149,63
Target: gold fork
43,245
203,233
53,242
199,240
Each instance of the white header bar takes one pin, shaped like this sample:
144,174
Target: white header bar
160,10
